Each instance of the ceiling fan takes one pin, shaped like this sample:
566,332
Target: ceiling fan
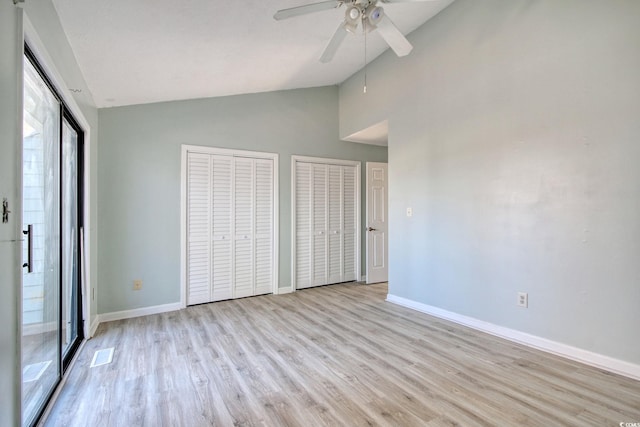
368,12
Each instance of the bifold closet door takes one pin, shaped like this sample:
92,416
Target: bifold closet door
229,227
264,227
303,206
253,243
199,200
243,223
319,226
221,209
325,215
349,231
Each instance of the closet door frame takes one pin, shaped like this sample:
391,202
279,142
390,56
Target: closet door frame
324,161
186,149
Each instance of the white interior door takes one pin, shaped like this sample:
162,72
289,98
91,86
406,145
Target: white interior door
377,234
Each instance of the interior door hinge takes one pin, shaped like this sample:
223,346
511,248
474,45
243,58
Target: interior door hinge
5,211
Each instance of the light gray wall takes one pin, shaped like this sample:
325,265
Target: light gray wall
10,233
44,18
139,177
514,136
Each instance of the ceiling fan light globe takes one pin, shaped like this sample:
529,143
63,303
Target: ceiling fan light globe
353,13
374,14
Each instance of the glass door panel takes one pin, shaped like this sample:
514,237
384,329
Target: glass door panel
70,237
41,209
52,213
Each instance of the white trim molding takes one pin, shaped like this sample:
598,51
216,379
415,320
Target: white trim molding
138,312
285,290
94,326
607,363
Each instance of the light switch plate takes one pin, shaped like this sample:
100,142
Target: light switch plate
409,212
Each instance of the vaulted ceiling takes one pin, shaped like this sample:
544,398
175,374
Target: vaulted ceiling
143,51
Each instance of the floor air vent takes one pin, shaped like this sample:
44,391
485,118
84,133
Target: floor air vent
102,357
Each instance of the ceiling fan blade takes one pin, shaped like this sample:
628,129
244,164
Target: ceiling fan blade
308,8
394,38
334,44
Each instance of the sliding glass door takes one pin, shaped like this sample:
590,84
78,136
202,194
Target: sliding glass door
41,216
52,216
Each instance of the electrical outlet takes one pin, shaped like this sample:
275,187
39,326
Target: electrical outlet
523,299
137,285
409,212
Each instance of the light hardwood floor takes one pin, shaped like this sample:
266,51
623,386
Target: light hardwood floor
337,355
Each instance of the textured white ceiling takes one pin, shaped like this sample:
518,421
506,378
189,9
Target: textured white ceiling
142,51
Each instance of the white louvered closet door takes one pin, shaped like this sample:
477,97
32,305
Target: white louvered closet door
253,244
349,223
198,228
335,217
264,229
230,227
243,251
221,238
303,218
319,225
326,200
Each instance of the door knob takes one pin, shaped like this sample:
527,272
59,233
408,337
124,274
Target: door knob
371,229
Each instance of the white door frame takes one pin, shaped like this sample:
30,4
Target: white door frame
89,291
305,159
383,275
183,208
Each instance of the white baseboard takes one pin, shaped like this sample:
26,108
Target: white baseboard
137,312
285,290
607,363
94,326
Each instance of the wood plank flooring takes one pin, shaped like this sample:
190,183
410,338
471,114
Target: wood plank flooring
331,356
